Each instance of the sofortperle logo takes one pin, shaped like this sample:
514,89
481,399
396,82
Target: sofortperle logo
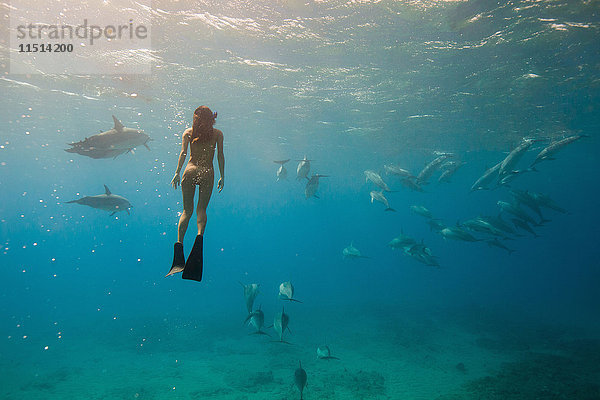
85,31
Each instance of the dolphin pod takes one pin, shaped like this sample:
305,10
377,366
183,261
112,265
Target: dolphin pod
302,172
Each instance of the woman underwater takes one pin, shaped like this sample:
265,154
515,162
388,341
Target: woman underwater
202,139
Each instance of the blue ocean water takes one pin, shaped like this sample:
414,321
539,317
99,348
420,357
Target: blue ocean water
86,312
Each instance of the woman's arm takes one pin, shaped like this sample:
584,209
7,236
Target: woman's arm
221,160
185,140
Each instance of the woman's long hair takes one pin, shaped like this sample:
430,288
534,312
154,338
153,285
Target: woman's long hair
203,123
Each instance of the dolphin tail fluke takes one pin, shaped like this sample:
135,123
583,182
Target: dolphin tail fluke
297,301
281,162
389,209
73,201
194,264
146,146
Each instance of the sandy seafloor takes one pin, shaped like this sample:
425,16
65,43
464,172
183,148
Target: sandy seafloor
385,353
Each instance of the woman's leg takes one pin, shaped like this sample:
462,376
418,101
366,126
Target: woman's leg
188,190
205,191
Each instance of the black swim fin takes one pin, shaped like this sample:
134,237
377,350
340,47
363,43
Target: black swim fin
178,260
193,265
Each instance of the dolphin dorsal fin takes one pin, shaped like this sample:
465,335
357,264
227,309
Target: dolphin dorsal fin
107,190
118,125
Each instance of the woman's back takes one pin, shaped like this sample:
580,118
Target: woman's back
202,152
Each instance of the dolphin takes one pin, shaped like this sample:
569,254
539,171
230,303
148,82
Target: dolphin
312,185
498,223
526,198
456,233
430,168
111,143
376,179
402,242
435,224
396,170
517,212
323,353
300,379
280,324
422,254
519,223
495,242
450,168
281,172
487,178
352,252
250,293
257,318
303,168
412,185
381,198
511,160
482,226
548,152
107,202
545,201
422,211
286,292
512,175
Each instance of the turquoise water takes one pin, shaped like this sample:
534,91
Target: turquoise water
86,312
